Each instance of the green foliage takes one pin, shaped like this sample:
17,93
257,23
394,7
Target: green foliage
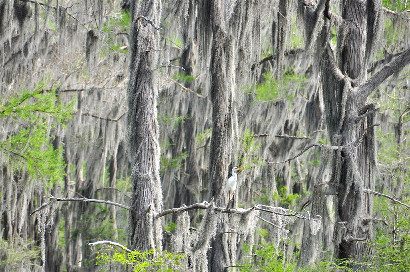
271,89
248,150
17,253
285,199
119,23
175,121
266,258
391,247
396,5
141,261
183,77
171,163
38,112
175,41
170,227
203,137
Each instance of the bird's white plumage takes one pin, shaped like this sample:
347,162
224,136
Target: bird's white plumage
232,183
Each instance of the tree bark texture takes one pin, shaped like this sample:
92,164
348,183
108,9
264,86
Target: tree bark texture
350,125
144,232
221,139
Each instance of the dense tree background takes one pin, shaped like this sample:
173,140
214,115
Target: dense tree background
106,100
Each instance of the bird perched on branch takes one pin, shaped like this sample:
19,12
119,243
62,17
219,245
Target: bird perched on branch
232,183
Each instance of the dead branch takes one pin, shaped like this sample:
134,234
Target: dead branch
206,205
273,57
396,13
331,147
395,200
293,137
105,242
104,118
270,223
184,88
83,199
392,67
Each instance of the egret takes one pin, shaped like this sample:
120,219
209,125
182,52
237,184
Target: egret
232,183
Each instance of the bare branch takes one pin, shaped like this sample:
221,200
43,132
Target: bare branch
401,14
184,88
206,205
394,66
270,223
331,147
105,242
83,199
293,137
105,118
386,196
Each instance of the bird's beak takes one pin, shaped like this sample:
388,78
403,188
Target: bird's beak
240,169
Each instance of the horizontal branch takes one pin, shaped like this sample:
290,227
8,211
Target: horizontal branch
272,57
105,242
392,67
206,205
292,137
82,199
386,196
105,118
203,206
331,147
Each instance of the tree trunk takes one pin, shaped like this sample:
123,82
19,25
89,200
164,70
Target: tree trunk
221,139
145,233
350,126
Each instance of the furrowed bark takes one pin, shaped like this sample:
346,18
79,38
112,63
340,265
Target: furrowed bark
144,232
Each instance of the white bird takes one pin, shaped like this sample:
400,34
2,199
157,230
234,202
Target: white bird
232,183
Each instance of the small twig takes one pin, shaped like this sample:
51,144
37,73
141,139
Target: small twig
386,196
184,88
331,147
105,118
105,242
270,223
261,135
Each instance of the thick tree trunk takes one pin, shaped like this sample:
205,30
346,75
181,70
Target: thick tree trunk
221,139
144,232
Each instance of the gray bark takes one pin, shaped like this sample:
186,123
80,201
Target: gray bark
350,124
143,131
221,139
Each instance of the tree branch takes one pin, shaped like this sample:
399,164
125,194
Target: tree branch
394,66
206,205
386,196
105,242
83,199
331,147
104,118
184,88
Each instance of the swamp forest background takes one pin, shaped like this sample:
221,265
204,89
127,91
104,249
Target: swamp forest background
122,120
